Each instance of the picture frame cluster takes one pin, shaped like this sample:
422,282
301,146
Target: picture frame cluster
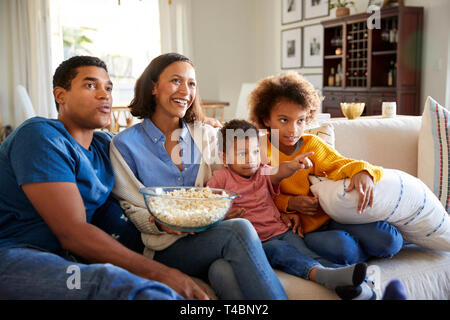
302,46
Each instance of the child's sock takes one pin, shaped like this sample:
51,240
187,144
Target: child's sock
346,276
361,292
394,291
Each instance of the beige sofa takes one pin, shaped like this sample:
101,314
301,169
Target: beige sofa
391,143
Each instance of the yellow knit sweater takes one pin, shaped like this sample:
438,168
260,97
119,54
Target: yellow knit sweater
327,162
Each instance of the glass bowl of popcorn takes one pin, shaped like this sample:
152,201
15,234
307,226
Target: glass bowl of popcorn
188,209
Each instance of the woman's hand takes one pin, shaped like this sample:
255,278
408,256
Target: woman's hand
213,122
235,213
304,204
363,184
292,220
164,228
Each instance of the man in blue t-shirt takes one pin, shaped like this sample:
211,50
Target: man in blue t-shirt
61,234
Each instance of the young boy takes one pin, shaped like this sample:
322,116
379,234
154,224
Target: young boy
256,184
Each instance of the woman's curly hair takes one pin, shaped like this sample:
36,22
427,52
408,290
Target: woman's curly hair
290,86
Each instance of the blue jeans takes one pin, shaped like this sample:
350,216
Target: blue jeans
33,274
28,272
288,252
354,243
230,256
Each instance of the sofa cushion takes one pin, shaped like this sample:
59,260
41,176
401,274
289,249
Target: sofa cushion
399,198
423,272
325,131
434,149
386,142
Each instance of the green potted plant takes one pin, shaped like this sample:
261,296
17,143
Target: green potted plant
342,7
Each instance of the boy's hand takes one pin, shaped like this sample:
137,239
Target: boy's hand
235,213
363,183
292,220
300,162
288,168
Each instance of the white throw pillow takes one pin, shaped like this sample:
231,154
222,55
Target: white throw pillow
399,198
434,148
325,131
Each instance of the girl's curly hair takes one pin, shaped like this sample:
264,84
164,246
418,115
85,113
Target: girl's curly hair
290,86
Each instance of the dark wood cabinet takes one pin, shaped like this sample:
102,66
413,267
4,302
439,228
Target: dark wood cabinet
375,64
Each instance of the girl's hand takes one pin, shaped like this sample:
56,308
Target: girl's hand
235,213
363,183
304,204
292,220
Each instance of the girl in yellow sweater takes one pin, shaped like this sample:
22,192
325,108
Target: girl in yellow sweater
283,105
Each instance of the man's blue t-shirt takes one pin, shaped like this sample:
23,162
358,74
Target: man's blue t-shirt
42,150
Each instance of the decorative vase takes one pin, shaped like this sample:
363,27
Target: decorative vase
342,12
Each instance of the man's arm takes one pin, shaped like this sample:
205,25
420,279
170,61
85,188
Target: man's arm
62,208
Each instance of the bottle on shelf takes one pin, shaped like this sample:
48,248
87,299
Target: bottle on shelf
338,76
331,78
385,33
393,33
391,75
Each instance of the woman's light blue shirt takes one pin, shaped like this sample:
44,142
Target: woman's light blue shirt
142,148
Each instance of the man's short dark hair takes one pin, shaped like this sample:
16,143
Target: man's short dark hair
67,70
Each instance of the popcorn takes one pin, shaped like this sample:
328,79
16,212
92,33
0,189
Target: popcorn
189,207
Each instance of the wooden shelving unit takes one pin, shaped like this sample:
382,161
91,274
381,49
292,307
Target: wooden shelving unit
377,64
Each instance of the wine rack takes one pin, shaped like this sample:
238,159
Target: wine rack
377,64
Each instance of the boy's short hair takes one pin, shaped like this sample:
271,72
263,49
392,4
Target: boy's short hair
67,71
290,86
235,129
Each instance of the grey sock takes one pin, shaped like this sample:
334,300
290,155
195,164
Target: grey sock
344,276
366,293
361,292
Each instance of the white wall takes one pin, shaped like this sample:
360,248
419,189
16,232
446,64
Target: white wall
436,31
5,78
224,47
238,41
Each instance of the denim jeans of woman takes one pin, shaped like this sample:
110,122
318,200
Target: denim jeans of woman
289,253
353,243
230,256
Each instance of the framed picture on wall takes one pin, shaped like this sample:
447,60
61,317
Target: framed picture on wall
316,80
313,46
291,48
378,3
291,11
316,8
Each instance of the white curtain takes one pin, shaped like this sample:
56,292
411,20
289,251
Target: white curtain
28,57
176,27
